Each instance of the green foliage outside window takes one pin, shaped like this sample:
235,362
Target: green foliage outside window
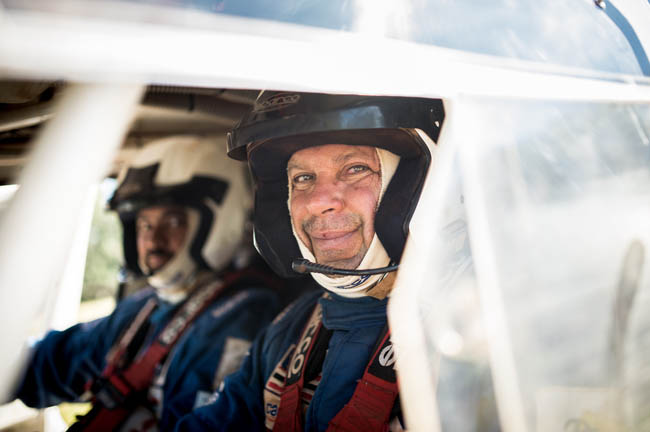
104,249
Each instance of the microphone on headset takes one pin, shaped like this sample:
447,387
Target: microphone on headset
301,265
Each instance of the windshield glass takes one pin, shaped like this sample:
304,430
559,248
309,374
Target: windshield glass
576,34
569,232
540,253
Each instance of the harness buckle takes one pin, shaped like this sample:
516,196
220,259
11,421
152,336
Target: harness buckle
108,394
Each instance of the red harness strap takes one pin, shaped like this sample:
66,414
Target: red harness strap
117,355
370,406
290,413
118,390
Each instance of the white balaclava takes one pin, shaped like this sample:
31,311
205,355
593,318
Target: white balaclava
376,256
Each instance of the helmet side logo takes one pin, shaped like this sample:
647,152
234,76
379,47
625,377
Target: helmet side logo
276,102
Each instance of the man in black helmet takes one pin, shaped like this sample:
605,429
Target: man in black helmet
337,179
163,351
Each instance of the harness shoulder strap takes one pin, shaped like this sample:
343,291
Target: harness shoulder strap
118,390
313,344
117,355
370,407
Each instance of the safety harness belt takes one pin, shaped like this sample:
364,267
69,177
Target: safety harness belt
120,389
371,405
372,402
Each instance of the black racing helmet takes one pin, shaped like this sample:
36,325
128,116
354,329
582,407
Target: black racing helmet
282,123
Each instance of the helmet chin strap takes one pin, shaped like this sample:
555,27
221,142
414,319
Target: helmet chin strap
376,257
173,280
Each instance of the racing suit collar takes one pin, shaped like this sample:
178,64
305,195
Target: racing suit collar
344,313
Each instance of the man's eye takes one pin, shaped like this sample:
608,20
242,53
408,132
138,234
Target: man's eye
174,222
302,178
143,227
357,169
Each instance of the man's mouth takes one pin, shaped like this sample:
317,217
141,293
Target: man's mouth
331,240
333,235
331,227
157,258
330,235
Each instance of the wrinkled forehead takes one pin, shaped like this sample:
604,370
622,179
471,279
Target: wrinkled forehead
336,154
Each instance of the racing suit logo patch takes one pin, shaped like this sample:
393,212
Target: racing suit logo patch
273,389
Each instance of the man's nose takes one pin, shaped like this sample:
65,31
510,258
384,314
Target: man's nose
156,236
325,197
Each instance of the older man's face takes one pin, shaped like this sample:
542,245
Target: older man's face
160,233
334,194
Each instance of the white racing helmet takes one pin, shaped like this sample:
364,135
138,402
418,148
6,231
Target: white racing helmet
193,172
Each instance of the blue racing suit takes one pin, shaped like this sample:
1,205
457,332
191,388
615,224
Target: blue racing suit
64,361
244,403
